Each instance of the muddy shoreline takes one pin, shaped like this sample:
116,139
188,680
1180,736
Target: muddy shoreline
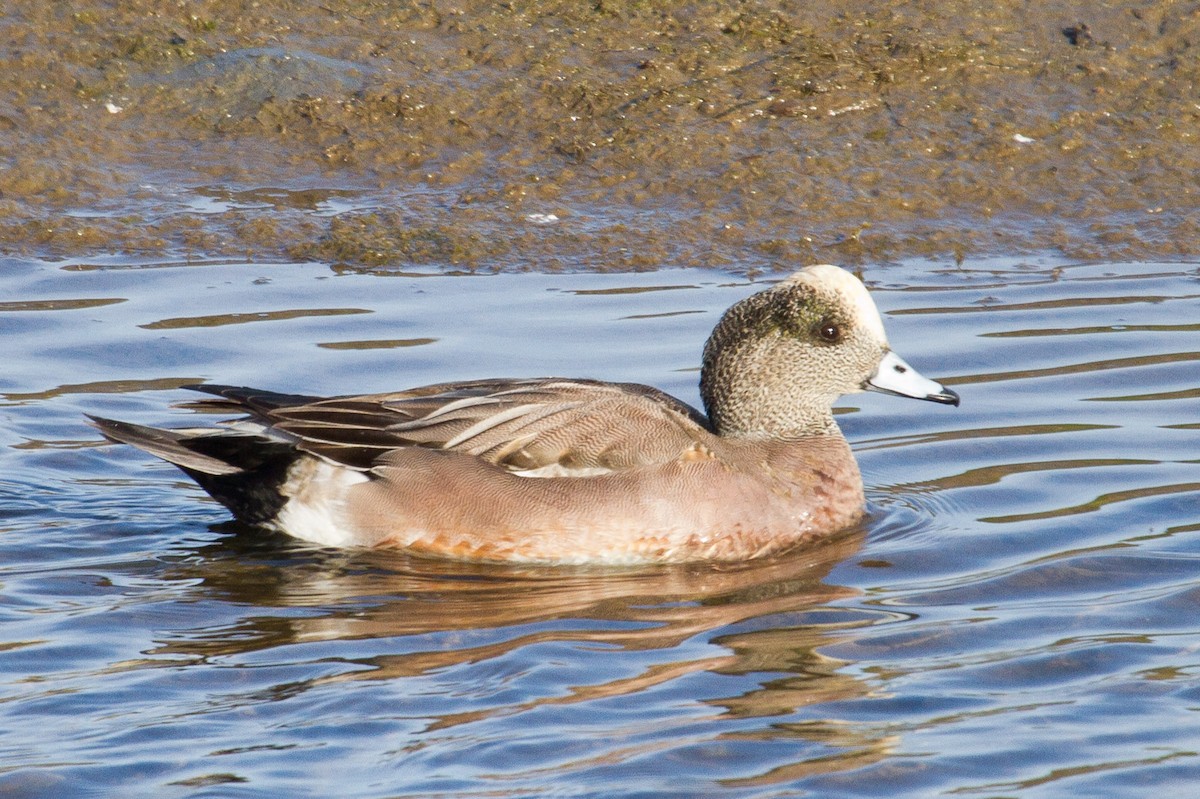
377,135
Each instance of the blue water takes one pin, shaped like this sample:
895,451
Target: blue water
1016,618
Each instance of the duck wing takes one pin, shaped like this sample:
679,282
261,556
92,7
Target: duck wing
536,427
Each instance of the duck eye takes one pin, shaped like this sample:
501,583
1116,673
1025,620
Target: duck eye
829,332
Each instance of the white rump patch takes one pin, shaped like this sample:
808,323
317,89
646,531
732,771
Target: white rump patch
316,493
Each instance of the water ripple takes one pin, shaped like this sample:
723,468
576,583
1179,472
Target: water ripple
1015,615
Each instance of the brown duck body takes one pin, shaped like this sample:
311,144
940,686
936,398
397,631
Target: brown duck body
571,470
733,502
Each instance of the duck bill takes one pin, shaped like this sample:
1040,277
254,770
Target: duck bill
894,376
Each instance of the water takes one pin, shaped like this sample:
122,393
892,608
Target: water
1015,618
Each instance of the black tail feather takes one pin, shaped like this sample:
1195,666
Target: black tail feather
244,472
240,399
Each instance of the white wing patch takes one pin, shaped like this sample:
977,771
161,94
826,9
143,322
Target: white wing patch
558,470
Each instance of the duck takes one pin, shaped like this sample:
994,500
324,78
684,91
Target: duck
570,471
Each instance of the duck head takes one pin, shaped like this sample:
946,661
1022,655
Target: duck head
778,360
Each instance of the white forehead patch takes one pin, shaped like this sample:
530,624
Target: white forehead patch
853,293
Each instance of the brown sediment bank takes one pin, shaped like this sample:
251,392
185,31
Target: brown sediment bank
608,135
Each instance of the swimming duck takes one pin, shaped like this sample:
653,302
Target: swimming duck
571,471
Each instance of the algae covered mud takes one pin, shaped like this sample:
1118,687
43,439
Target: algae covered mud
603,135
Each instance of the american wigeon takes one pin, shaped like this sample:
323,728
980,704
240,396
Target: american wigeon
570,471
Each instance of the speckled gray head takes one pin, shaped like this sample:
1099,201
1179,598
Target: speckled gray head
778,360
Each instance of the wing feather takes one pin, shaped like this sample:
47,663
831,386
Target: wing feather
552,425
